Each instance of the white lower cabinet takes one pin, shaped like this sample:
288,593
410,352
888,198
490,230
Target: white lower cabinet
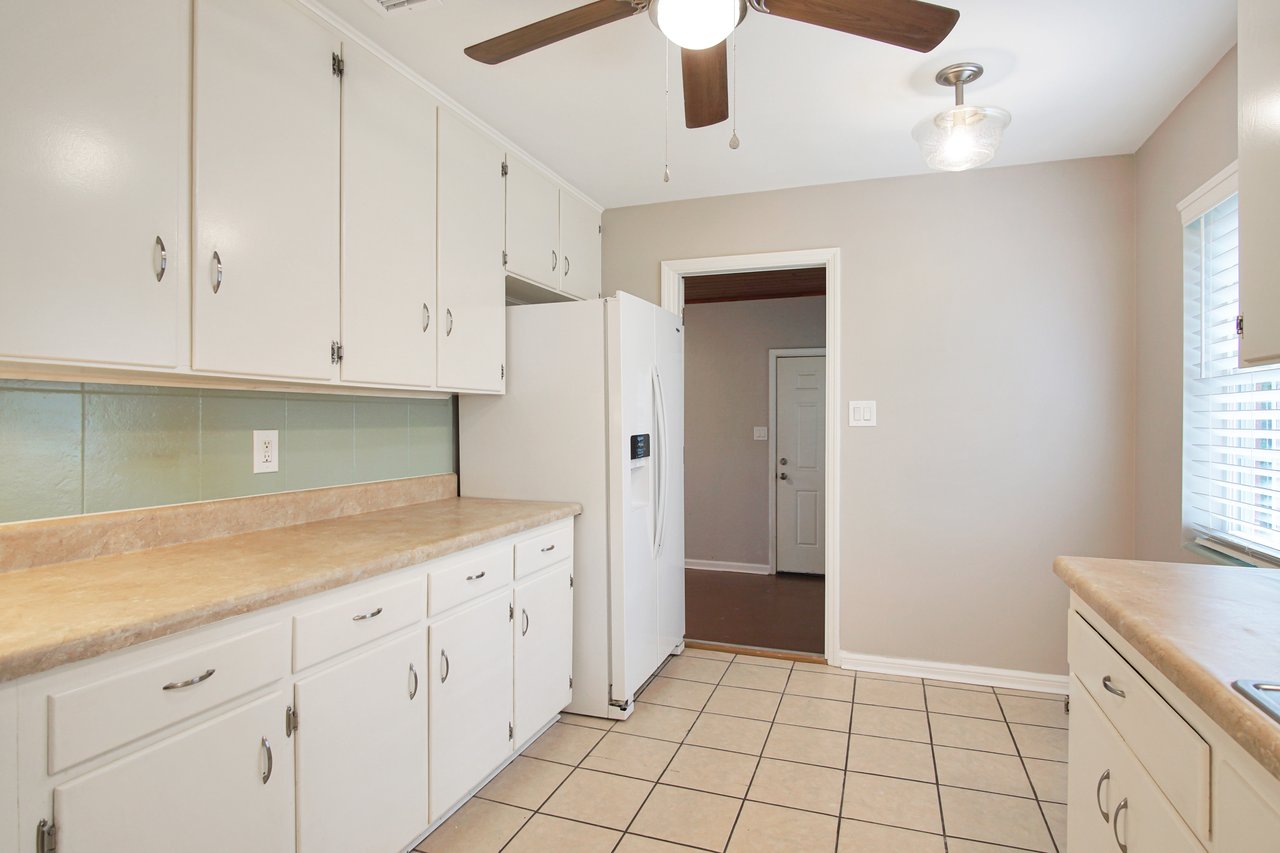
543,648
361,749
226,784
471,698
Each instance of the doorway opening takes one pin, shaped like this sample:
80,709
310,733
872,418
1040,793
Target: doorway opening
760,448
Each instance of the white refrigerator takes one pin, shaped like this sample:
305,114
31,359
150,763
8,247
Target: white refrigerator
594,413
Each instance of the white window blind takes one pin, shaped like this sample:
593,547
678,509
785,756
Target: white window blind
1231,479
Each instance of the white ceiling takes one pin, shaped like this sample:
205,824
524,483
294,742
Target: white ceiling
1082,78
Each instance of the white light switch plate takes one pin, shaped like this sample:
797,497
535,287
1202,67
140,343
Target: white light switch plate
862,413
266,451
760,433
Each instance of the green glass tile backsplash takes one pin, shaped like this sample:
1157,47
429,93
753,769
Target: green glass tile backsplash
70,448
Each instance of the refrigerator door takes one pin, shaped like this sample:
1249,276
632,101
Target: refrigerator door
669,449
633,582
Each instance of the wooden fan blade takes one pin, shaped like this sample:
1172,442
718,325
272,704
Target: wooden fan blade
706,85
550,30
906,23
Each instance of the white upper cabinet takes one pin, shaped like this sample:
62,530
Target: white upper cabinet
389,317
579,247
470,289
92,151
1259,81
266,146
533,210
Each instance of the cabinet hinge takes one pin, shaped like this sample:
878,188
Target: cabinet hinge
511,613
511,731
46,837
571,682
600,229
570,581
504,259
1239,324
502,371
335,352
339,67
504,168
290,721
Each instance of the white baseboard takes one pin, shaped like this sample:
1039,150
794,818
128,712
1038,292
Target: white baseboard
1011,679
721,566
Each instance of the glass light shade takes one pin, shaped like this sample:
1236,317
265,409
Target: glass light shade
962,137
696,24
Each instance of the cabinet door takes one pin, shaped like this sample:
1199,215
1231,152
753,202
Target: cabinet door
389,317
362,751
91,162
265,266
202,791
1243,821
471,672
533,226
471,288
1259,81
580,244
544,648
1092,775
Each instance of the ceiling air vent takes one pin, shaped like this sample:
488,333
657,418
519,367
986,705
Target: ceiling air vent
393,5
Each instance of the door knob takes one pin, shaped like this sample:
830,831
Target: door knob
782,476
782,461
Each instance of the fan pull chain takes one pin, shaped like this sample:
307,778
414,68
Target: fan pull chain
733,44
666,119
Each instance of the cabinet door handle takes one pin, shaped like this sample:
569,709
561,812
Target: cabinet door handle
554,260
372,614
217,272
413,691
1111,688
477,577
548,548
426,317
1105,777
448,322
266,774
164,258
190,682
1115,826
566,264
524,614
444,666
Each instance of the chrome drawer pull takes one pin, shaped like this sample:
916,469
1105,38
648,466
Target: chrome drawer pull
1106,775
266,776
217,272
1111,688
178,685
477,577
164,258
444,666
1115,826
413,691
548,548
360,617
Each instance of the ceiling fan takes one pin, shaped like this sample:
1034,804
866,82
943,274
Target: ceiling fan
700,27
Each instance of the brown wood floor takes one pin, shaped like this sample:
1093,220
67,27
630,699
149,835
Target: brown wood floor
781,611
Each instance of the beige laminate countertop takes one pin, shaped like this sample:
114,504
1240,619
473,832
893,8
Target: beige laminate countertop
55,614
1202,627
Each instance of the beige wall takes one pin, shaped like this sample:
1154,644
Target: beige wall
1197,141
727,475
991,315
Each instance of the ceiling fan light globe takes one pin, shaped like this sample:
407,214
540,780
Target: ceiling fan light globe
696,24
962,137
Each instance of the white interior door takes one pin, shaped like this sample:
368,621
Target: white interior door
362,753
544,648
800,467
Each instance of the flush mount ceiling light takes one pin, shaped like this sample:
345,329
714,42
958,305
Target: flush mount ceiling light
963,137
697,24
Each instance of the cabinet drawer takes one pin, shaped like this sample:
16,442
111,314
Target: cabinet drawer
539,552
1171,750
470,578
87,721
355,620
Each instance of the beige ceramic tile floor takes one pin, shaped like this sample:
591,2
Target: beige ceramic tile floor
747,755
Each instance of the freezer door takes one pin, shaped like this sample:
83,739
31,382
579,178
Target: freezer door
633,586
669,450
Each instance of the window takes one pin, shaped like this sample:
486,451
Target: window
1231,427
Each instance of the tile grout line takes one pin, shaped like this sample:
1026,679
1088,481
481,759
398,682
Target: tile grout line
760,760
937,779
1022,760
848,749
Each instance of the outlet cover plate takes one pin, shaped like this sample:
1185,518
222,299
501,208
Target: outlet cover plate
266,451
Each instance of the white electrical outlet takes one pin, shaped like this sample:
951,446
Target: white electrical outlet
266,451
760,433
862,413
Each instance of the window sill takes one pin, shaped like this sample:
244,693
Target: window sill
1226,555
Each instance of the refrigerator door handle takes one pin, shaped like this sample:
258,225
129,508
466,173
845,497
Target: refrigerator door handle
660,463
